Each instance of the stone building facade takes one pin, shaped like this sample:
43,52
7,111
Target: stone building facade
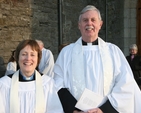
56,22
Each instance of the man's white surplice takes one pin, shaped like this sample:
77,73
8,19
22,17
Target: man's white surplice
101,68
27,96
47,62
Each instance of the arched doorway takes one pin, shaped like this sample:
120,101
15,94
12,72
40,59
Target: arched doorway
139,26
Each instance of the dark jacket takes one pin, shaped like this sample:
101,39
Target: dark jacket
135,65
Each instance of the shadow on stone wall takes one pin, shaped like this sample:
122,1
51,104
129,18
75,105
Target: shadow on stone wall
2,67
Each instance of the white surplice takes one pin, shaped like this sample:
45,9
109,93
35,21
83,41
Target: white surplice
11,68
47,62
27,95
101,68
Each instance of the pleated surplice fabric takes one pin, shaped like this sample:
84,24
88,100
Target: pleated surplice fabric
27,96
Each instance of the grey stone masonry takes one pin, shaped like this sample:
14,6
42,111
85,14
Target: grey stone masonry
21,19
39,19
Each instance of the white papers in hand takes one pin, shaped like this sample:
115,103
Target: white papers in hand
88,100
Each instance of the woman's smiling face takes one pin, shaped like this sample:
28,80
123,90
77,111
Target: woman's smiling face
28,60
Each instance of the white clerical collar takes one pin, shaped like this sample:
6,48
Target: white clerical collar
27,78
90,44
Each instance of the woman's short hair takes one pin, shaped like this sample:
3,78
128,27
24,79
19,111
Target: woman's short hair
33,44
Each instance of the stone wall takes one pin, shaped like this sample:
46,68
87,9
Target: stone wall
115,22
112,16
38,19
27,20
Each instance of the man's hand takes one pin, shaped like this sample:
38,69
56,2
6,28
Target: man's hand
96,110
79,111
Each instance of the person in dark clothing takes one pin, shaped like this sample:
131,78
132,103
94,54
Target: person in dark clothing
134,61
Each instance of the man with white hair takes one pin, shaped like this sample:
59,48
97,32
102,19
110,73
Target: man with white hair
47,61
96,70
134,61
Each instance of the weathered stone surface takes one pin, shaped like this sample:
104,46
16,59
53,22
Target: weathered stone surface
38,19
